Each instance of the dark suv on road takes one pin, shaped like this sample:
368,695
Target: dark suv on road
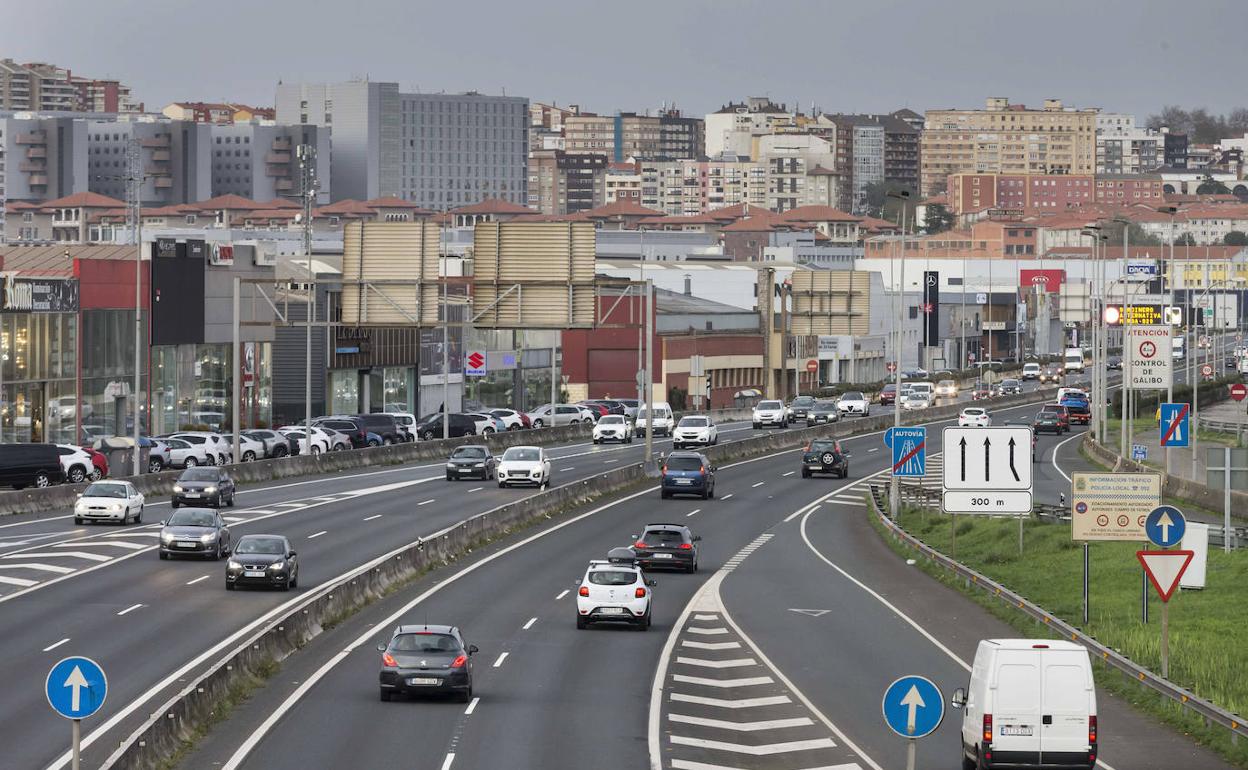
825,456
688,473
668,546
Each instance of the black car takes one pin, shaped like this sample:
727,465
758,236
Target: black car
1011,387
424,659
208,486
275,444
1049,420
431,427
471,461
800,407
30,465
667,546
262,560
194,532
1114,362
822,413
825,456
687,473
352,427
383,425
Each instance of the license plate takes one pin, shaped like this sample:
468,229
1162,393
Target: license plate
191,494
184,544
1023,730
684,481
815,467
253,573
423,680
464,470
662,556
611,611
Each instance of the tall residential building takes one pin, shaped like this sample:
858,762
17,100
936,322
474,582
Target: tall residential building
439,151
735,128
859,141
791,160
39,87
565,183
667,136
1124,148
691,187
1007,139
42,157
623,183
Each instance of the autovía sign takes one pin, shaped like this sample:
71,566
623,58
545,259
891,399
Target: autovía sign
1142,268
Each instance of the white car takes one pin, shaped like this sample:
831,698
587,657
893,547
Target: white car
695,430
614,590
217,451
76,463
406,422
115,501
524,465
664,421
613,427
487,423
249,449
510,417
187,454
320,441
561,414
974,417
853,403
770,413
946,389
916,399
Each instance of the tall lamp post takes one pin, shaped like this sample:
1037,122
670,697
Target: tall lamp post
1093,231
1169,275
894,496
1238,282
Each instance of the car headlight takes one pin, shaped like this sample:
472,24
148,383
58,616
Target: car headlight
231,564
209,490
479,465
115,507
450,465
208,538
177,487
166,537
277,565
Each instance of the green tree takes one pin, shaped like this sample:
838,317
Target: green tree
880,204
1212,186
938,219
1236,238
1186,239
1136,235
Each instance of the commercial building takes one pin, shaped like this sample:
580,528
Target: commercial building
970,194
436,150
1007,138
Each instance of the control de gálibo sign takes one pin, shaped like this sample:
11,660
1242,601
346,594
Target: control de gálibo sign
1150,359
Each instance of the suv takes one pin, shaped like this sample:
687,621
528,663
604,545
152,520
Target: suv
687,473
431,428
667,545
825,456
352,427
30,465
383,425
800,407
695,430
76,463
770,413
216,451
614,590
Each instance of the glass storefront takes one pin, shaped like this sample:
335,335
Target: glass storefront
381,389
194,385
38,396
107,373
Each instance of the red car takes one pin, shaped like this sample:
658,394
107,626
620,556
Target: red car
99,462
888,394
600,410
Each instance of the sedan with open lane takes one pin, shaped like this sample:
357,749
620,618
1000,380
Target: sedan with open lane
267,561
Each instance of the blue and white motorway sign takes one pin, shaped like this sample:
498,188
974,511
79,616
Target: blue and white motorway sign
909,452
1176,424
913,707
1165,526
1139,452
76,687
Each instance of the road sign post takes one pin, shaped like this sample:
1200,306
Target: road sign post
913,708
909,447
76,688
1164,569
1175,427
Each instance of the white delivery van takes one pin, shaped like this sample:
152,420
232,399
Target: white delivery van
1072,360
663,420
1030,703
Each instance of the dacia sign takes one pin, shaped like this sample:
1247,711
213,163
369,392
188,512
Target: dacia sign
1143,268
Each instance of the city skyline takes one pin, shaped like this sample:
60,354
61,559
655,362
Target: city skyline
799,54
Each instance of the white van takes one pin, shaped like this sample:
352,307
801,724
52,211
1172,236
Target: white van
664,423
1031,371
1030,703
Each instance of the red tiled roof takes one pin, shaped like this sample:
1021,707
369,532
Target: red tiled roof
578,216
875,225
622,209
228,203
493,206
821,171
21,206
391,202
281,203
347,207
818,214
761,221
678,221
271,214
85,200
168,211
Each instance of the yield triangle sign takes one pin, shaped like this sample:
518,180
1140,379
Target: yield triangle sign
1164,569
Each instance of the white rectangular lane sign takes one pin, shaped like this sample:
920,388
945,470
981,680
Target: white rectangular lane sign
1150,358
987,470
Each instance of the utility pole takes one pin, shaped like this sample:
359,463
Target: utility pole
307,174
1169,273
894,491
135,211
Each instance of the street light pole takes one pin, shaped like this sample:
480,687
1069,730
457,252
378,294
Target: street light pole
307,168
894,490
1169,273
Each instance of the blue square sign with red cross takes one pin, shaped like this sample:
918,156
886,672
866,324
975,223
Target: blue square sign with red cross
1175,424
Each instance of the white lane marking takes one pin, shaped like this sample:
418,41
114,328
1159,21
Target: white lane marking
374,516
500,660
317,534
569,468
743,727
798,512
728,703
233,519
472,706
476,489
260,511
131,608
1061,444
732,663
684,764
426,502
748,681
873,449
690,513
562,594
785,475
198,579
12,581
755,751
529,625
40,567
710,645
446,763
707,631
51,647
706,617
57,554
759,484
609,462
858,503
109,543
725,497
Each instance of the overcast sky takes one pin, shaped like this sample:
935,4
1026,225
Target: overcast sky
860,56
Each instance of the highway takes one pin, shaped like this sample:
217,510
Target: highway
550,696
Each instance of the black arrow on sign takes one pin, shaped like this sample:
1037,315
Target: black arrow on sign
962,444
1012,469
987,459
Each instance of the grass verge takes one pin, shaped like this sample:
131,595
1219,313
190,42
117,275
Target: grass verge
1206,631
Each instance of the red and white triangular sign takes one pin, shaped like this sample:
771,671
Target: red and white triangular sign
1164,569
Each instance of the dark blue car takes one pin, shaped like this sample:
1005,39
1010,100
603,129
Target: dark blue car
688,473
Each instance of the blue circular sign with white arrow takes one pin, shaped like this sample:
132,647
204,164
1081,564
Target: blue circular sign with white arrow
76,687
913,707
1165,526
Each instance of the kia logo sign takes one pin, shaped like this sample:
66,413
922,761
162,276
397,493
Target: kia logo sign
1044,279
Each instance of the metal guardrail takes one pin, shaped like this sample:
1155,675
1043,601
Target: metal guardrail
1221,426
1184,698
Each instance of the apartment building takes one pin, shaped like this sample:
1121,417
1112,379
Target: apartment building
41,87
1028,194
217,112
691,187
790,159
667,136
859,141
439,151
42,157
1122,147
566,183
735,128
260,161
622,183
1130,189
1006,138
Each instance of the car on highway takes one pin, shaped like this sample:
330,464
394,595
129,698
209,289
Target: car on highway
426,659
799,407
916,399
974,417
614,590
194,532
524,465
30,465
888,394
1028,699
695,430
825,456
667,546
512,420
115,501
249,449
1051,419
770,414
854,403
823,413
982,392
1011,387
471,461
613,427
1114,362
687,473
1031,371
1078,408
268,561
664,420
75,462
1051,374
211,487
946,389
